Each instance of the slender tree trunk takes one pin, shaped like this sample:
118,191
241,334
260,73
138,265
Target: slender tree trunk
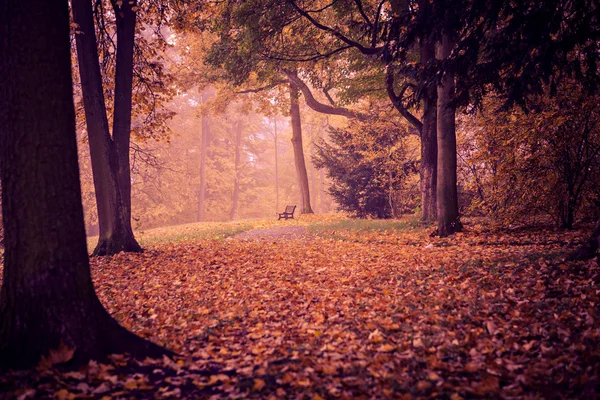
447,194
301,173
429,150
205,123
47,299
322,181
95,117
237,161
110,170
276,166
313,172
125,19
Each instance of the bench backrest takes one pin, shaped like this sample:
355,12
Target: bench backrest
289,209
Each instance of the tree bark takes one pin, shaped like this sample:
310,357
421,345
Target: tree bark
276,165
429,150
301,174
447,193
115,233
237,161
125,16
47,300
205,123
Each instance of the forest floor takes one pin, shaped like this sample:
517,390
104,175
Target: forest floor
325,307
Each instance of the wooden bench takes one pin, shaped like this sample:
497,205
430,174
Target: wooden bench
288,213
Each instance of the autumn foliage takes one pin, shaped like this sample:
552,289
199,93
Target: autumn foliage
347,310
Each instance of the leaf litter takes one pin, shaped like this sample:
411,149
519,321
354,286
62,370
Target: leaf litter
346,314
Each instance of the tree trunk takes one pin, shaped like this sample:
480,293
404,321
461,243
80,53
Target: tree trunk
47,300
447,193
203,154
428,168
276,166
322,179
301,173
115,233
125,19
313,172
237,161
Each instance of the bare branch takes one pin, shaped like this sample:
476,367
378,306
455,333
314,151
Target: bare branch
397,100
316,57
362,13
343,38
329,98
315,104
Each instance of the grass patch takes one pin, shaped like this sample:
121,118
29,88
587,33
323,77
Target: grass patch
217,230
365,225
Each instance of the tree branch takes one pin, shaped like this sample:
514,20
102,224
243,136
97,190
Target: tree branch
307,58
397,100
315,104
348,41
362,13
260,89
328,96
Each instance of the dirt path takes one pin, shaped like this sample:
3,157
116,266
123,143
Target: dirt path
277,233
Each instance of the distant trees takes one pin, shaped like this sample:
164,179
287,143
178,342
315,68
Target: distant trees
370,164
48,306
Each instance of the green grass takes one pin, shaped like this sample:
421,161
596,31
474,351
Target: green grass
328,224
365,225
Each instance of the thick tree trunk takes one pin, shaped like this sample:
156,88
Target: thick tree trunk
447,194
301,173
205,123
428,168
115,233
47,300
237,161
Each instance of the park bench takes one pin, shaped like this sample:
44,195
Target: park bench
288,213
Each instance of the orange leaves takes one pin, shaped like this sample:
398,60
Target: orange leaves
370,314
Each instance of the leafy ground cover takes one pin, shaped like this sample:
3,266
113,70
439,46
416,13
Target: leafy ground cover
346,312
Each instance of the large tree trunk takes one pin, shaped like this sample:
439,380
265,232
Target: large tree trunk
237,161
447,194
115,233
47,300
428,168
205,123
301,174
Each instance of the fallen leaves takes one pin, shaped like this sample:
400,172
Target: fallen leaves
359,315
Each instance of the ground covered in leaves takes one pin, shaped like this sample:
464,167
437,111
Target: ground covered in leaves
348,313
